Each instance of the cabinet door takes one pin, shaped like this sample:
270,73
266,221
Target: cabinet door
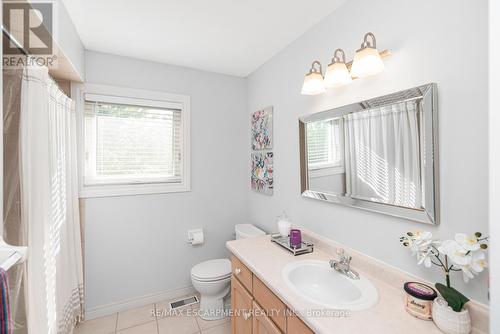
262,324
241,304
269,302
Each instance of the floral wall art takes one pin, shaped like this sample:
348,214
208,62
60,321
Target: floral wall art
262,162
262,172
262,127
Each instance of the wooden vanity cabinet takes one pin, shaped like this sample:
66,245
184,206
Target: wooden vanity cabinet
241,272
271,304
256,309
242,306
262,324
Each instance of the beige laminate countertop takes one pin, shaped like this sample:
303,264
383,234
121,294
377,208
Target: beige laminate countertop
266,260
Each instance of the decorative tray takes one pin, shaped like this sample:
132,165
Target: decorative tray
284,242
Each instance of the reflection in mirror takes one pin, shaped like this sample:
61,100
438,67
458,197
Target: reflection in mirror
325,157
379,155
383,155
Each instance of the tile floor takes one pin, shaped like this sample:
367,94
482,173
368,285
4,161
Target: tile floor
154,319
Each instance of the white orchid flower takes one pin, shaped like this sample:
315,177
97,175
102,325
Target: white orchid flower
420,241
425,258
467,273
422,235
470,262
478,262
477,265
420,244
463,253
455,252
469,243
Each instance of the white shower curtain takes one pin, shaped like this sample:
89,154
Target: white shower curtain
383,155
49,205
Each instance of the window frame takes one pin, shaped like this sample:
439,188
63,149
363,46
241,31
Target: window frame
130,96
326,169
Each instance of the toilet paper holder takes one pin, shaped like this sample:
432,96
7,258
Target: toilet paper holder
195,236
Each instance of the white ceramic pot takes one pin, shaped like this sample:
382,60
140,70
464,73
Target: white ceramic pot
449,321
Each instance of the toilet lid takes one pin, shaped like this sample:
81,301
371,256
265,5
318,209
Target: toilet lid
212,269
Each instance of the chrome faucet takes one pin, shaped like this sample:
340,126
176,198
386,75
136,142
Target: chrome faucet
343,266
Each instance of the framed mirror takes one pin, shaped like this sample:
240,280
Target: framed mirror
379,155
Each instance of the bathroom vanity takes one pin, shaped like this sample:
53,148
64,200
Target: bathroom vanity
256,308
264,302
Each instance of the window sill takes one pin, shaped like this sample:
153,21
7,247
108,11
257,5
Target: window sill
318,172
132,189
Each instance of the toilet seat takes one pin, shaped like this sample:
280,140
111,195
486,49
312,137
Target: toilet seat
212,270
208,280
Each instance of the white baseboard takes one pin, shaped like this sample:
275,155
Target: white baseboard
123,305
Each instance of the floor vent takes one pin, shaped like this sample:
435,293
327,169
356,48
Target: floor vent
183,302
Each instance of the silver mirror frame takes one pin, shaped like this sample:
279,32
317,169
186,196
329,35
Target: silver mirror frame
430,213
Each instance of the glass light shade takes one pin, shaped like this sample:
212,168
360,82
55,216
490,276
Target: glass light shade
366,62
337,75
313,84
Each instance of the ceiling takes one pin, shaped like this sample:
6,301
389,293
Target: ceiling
226,36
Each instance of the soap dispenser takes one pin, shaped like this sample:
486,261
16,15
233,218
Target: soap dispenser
284,224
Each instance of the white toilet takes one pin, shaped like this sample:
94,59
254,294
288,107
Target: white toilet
212,278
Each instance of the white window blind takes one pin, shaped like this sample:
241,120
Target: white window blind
324,144
130,144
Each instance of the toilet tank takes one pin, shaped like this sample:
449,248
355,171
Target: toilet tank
244,231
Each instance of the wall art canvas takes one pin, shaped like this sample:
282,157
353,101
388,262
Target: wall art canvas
262,172
262,127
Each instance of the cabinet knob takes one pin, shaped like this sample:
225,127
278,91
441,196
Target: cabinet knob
237,271
246,315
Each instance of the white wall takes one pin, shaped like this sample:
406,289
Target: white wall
136,245
68,39
494,199
432,41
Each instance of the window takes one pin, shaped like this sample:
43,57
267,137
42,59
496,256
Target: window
324,145
134,143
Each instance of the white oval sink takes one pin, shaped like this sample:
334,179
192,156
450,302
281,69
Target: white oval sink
317,282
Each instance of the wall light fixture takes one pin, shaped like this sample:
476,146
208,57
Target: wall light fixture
337,73
367,60
313,81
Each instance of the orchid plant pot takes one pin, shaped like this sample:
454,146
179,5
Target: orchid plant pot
465,254
449,321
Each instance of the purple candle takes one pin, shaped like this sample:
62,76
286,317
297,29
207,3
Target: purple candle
295,238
